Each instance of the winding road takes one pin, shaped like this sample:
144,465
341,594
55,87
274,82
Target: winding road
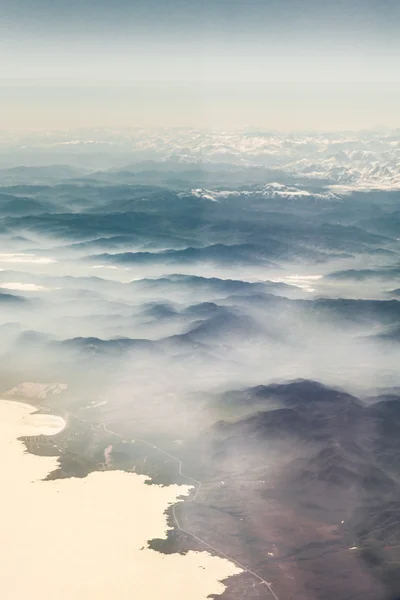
193,499
196,484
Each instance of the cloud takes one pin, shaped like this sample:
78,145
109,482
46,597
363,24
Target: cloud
23,287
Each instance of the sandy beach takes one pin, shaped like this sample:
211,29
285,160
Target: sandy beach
87,538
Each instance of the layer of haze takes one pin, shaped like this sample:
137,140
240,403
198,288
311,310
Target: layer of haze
286,65
172,297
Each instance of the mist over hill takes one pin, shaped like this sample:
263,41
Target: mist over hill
233,301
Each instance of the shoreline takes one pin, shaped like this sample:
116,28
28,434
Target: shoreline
111,507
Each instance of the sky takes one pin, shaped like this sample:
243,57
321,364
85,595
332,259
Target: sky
285,64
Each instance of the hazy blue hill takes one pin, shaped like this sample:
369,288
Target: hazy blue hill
6,298
214,285
158,216
386,224
80,226
223,323
390,335
298,394
219,253
159,310
356,310
385,272
93,346
38,175
16,205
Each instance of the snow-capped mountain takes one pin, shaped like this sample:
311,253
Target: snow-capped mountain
351,160
271,190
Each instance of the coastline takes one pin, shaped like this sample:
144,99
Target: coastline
119,513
